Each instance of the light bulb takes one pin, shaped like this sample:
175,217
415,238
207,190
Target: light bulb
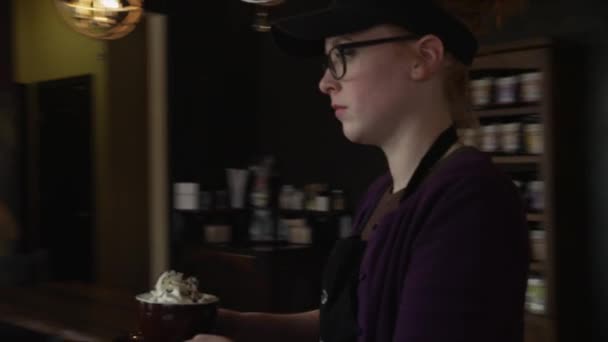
113,4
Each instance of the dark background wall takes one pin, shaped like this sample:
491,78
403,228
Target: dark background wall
238,97
212,92
5,45
124,200
234,95
9,175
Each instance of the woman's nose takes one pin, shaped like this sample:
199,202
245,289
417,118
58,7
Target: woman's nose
328,83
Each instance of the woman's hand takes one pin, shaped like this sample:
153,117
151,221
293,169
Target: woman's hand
209,338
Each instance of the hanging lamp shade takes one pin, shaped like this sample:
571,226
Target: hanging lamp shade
261,22
101,19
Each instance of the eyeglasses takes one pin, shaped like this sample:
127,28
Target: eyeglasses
336,58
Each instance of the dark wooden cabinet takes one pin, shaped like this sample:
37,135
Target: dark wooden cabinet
559,165
510,61
262,278
538,329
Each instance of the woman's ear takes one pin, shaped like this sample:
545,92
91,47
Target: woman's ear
429,52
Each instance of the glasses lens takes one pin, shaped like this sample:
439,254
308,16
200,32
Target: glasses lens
336,63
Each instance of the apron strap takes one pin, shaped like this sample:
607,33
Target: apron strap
441,146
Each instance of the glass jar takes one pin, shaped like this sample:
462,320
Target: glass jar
481,91
506,90
536,295
510,137
185,196
539,246
337,200
531,86
533,133
489,138
468,136
298,232
536,195
217,233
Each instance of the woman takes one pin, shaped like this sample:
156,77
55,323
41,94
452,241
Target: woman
441,252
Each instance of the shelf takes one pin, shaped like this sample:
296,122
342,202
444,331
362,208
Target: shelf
538,318
249,250
532,43
508,111
514,57
535,217
539,328
537,266
532,159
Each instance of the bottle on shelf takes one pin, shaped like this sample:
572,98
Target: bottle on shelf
321,218
239,183
217,227
237,186
538,245
260,229
481,91
293,217
531,86
184,218
469,136
505,87
510,137
264,202
535,195
489,138
285,212
506,90
533,137
343,217
536,295
185,196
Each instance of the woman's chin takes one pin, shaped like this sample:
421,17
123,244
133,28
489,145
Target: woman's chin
353,135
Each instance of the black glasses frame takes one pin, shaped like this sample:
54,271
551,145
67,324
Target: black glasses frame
355,45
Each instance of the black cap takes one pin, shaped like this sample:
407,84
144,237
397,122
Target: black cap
304,35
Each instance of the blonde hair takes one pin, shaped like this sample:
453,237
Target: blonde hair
474,14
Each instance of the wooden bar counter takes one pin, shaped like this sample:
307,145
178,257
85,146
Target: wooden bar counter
70,312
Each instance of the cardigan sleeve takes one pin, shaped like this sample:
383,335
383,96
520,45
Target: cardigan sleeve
466,278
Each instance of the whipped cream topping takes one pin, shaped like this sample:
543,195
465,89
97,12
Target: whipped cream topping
172,288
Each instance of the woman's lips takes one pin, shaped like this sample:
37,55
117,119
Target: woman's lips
339,110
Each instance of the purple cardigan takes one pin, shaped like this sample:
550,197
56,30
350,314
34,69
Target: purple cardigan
451,263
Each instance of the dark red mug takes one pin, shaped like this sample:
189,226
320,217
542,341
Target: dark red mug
174,322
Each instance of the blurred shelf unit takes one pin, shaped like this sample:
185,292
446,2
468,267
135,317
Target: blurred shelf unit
511,93
537,266
507,111
535,217
272,241
522,159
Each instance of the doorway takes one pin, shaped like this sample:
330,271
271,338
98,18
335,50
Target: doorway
64,178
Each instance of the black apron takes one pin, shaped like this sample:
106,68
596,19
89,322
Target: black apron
338,310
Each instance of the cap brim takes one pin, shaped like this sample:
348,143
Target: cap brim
304,35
